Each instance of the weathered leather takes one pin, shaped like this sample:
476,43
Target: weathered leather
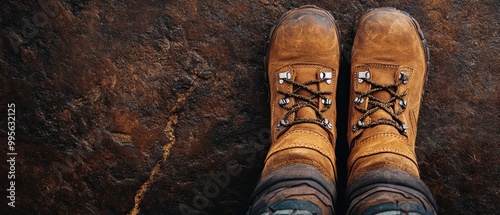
387,42
304,42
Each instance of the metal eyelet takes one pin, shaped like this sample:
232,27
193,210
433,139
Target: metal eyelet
403,103
403,77
327,102
405,128
360,123
282,124
357,126
284,101
363,76
327,76
327,123
284,75
358,100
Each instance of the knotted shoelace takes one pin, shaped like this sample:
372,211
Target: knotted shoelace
375,104
308,101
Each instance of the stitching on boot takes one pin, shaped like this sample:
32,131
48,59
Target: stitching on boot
305,130
378,65
299,145
382,166
404,139
385,149
309,65
272,151
291,66
354,159
413,120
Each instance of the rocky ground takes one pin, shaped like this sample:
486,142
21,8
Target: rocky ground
160,107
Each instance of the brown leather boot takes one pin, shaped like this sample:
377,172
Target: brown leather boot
388,69
302,64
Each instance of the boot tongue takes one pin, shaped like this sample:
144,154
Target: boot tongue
385,77
304,75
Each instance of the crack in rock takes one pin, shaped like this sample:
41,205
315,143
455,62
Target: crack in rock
169,132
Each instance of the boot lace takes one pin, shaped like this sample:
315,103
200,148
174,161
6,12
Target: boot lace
376,104
307,101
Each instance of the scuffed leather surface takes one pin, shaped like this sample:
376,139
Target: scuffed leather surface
387,43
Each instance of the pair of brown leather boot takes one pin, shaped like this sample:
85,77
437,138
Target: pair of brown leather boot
389,63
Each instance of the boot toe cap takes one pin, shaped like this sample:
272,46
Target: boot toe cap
306,35
388,36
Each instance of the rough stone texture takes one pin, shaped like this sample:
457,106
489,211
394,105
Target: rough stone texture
136,106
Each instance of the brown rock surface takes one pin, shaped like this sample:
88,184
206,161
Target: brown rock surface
160,107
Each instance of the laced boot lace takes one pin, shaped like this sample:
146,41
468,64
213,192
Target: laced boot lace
376,104
306,101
